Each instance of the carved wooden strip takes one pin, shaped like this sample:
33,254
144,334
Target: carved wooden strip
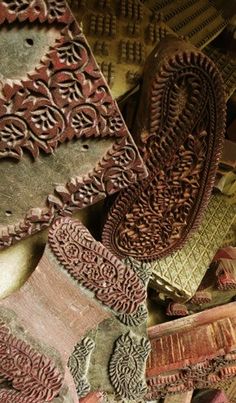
34,376
193,352
94,267
47,111
179,130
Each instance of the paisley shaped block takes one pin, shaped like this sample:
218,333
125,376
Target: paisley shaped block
63,142
179,129
94,267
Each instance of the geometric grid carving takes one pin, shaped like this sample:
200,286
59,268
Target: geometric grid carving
182,271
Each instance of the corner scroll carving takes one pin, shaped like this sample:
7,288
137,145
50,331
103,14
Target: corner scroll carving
127,366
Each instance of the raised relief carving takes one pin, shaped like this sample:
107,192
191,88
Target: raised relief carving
34,377
144,272
179,130
127,366
94,267
63,99
79,364
197,352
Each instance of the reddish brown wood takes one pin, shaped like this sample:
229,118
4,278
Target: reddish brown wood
94,397
65,98
94,267
59,304
179,130
176,309
198,351
226,268
211,396
35,378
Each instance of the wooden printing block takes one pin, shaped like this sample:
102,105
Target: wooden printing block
77,285
218,285
179,129
194,266
117,363
195,352
63,142
230,391
122,33
200,21
180,274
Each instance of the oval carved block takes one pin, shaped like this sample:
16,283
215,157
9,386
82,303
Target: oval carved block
179,130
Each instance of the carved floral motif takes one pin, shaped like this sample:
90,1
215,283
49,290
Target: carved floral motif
95,268
34,377
65,97
179,127
79,364
127,366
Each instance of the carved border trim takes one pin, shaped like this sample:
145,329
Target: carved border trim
120,166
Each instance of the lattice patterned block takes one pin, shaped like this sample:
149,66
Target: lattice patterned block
181,273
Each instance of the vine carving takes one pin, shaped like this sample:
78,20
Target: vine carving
79,364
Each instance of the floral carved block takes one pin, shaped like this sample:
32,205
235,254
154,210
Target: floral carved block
63,142
179,129
34,376
77,286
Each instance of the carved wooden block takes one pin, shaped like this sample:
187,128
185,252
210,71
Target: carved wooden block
180,398
199,20
230,390
122,33
180,136
225,260
35,377
180,274
63,142
227,66
193,352
116,364
76,285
